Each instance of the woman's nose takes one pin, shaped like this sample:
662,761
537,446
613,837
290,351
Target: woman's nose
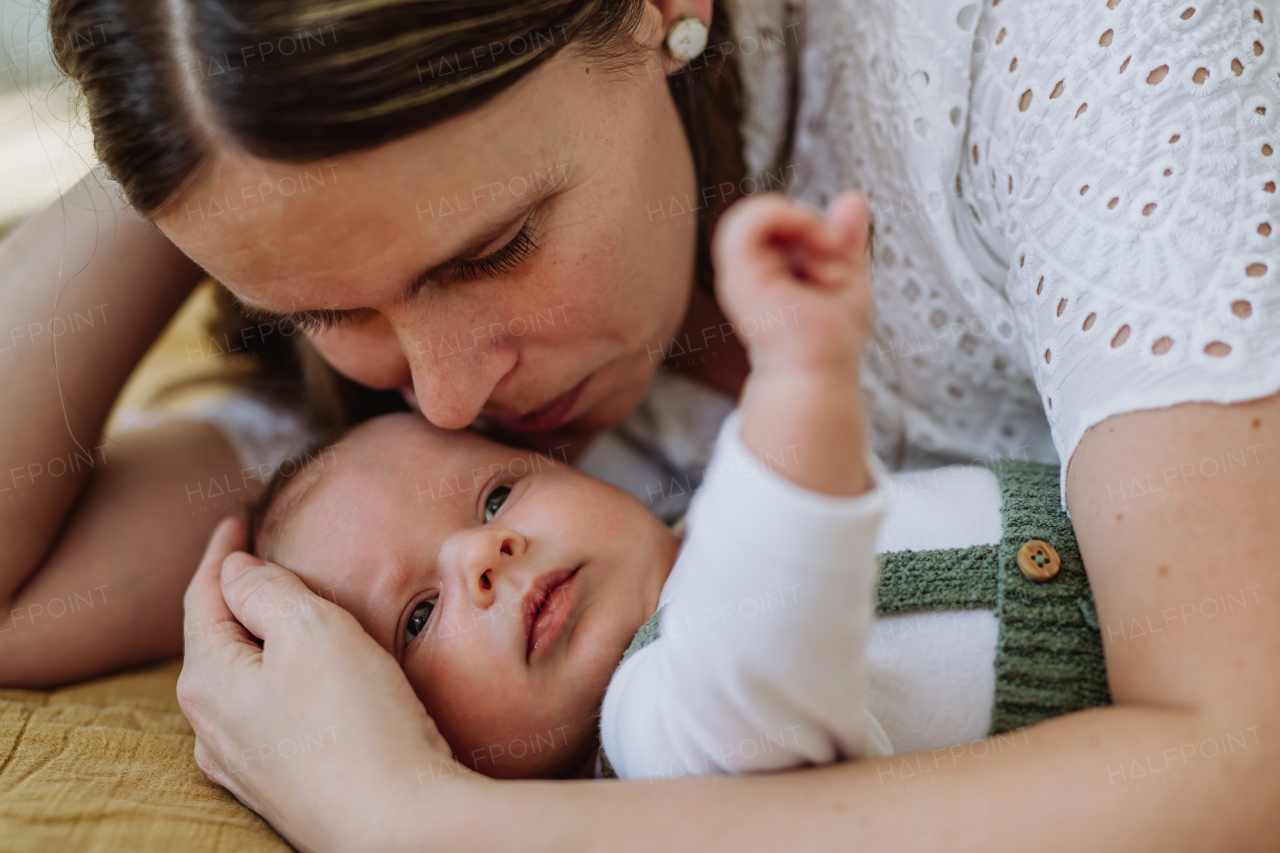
483,558
454,375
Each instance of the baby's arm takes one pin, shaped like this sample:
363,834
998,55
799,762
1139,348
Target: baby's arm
759,665
796,288
764,618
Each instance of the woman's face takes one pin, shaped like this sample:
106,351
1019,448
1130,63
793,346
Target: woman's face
513,262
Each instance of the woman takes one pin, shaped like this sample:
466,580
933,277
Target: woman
883,96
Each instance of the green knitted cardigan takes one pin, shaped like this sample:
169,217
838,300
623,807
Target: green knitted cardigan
1049,658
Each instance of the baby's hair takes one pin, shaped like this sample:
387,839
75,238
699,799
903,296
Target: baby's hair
293,480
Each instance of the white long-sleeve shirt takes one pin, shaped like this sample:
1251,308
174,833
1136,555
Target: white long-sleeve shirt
769,653
759,664
929,677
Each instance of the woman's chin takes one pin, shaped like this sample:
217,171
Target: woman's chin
608,412
619,387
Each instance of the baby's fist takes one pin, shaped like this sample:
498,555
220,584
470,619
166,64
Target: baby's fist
795,285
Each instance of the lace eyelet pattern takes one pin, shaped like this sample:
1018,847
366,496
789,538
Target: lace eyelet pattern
1085,213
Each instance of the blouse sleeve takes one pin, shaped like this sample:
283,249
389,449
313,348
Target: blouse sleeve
1120,164
262,434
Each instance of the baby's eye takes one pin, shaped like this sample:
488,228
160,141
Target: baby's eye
418,618
494,502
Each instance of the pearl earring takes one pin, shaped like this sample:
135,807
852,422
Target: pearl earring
686,39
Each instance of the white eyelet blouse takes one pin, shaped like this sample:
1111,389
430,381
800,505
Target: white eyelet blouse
1074,200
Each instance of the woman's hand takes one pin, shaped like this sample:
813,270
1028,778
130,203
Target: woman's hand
318,730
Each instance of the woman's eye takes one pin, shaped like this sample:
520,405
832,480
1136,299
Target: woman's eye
500,261
419,617
494,502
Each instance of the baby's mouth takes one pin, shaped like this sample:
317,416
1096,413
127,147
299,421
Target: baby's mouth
547,607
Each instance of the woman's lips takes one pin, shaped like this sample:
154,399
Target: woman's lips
547,606
549,416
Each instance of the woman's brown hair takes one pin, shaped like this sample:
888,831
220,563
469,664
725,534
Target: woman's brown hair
167,83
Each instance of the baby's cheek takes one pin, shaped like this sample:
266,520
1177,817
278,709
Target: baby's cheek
419,685
475,708
442,689
514,744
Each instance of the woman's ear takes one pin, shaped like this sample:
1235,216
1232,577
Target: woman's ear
669,12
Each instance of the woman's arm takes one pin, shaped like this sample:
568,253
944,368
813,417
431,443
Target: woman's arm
99,537
1187,759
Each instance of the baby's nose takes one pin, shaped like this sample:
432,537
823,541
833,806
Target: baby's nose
485,557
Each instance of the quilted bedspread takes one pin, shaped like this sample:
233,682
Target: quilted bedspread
107,765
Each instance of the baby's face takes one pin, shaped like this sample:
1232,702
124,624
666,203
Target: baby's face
505,584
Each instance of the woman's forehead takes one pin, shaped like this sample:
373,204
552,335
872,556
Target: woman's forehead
288,237
356,240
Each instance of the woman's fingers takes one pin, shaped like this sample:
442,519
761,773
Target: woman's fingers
273,603
261,594
207,617
215,647
318,719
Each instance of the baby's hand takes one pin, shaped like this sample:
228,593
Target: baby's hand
795,285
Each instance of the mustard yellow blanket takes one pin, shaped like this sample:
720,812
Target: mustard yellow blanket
107,765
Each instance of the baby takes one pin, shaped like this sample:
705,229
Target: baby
510,603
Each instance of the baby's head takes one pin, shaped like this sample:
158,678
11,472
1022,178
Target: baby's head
506,584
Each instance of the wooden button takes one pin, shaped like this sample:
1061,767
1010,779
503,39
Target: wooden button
1038,560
